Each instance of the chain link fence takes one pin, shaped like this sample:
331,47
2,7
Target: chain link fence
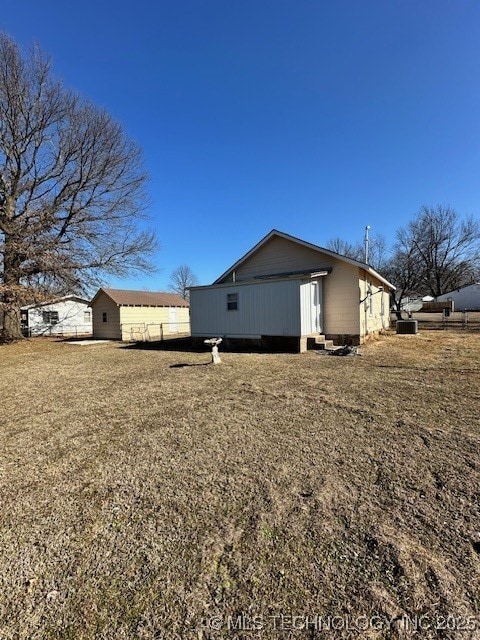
68,331
141,332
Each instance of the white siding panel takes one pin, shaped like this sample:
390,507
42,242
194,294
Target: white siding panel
305,308
466,298
264,308
71,319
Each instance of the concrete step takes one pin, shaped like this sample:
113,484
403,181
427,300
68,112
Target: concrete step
319,342
324,345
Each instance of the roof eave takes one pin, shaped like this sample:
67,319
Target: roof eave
381,278
55,301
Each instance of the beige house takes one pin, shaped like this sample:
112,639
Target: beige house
288,290
119,314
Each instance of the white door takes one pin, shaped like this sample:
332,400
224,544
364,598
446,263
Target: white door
172,320
316,306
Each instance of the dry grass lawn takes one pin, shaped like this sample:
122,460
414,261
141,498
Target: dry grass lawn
144,500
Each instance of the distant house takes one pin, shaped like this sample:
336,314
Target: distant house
467,297
288,290
120,314
66,316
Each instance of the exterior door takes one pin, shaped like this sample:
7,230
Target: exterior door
316,305
172,320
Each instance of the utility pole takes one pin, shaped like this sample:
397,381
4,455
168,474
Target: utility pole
367,243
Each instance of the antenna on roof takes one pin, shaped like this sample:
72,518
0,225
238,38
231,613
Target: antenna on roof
367,243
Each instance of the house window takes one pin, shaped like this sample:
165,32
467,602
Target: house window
50,317
232,301
86,316
104,316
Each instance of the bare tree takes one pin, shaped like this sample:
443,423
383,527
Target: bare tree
402,271
347,249
180,279
435,253
378,250
379,253
71,188
447,248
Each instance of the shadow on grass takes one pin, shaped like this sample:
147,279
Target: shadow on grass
181,365
174,344
180,345
186,345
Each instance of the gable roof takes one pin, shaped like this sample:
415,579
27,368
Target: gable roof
280,234
54,301
465,286
127,297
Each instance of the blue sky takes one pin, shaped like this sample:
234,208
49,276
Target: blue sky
315,118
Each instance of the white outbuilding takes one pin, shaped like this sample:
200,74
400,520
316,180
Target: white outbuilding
467,297
66,316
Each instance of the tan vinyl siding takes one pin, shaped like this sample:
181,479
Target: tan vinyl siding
371,317
108,330
140,323
343,286
340,294
341,300
340,288
279,255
